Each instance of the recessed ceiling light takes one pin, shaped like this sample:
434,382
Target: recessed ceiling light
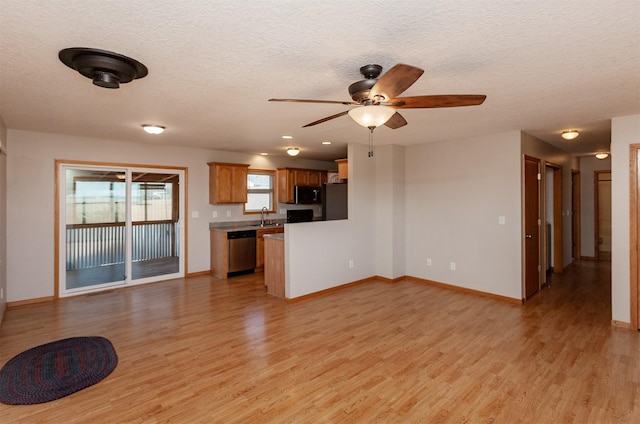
326,142
293,151
264,154
287,137
153,129
570,134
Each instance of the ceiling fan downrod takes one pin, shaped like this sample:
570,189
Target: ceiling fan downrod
371,141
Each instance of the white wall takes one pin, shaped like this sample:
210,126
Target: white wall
30,191
318,253
3,219
389,211
624,132
537,148
588,165
455,193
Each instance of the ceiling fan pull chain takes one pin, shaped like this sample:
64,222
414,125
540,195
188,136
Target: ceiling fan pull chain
371,141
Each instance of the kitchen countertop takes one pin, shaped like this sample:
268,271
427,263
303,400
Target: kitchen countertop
240,226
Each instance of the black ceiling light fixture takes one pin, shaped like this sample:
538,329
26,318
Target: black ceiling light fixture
105,68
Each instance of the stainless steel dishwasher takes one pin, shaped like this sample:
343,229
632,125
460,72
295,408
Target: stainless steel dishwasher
242,251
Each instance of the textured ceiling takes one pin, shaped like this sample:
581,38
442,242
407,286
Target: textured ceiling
544,65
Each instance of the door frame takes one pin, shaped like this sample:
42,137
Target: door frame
634,216
558,242
59,163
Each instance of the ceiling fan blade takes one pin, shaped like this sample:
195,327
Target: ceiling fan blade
395,81
396,121
338,102
328,118
445,100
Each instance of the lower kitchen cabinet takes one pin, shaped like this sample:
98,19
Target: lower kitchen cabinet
260,244
219,253
274,277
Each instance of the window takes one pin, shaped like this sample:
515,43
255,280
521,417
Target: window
260,191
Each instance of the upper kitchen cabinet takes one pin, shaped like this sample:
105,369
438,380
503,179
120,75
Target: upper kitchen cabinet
227,183
288,178
343,166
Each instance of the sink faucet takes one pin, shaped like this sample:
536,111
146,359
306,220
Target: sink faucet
262,212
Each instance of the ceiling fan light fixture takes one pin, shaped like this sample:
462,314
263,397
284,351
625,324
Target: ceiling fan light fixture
153,129
293,151
371,115
570,134
602,155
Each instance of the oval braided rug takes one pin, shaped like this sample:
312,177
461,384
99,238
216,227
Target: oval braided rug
57,369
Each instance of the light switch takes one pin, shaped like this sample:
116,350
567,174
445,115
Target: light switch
195,214
501,220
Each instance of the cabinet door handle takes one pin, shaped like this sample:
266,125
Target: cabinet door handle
529,236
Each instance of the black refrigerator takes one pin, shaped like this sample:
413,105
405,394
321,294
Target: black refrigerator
334,201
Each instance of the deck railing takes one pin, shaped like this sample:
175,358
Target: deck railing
93,245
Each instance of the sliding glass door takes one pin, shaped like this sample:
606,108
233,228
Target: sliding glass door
118,226
155,224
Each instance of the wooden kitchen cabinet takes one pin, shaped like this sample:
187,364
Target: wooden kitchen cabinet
317,178
290,177
301,177
274,273
219,253
227,183
260,244
343,168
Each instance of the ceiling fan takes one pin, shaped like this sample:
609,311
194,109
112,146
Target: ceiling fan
376,98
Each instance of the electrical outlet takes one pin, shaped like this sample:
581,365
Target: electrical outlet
215,214
428,261
351,263
283,211
228,214
453,266
501,220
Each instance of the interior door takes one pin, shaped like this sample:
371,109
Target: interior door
531,234
575,215
603,215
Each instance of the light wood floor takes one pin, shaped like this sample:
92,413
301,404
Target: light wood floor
222,351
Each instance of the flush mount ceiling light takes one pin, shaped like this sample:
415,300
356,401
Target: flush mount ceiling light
326,143
570,134
602,155
105,68
153,129
293,151
372,115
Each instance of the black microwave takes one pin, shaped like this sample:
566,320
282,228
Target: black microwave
305,195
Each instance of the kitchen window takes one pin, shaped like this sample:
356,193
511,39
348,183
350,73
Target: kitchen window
260,191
